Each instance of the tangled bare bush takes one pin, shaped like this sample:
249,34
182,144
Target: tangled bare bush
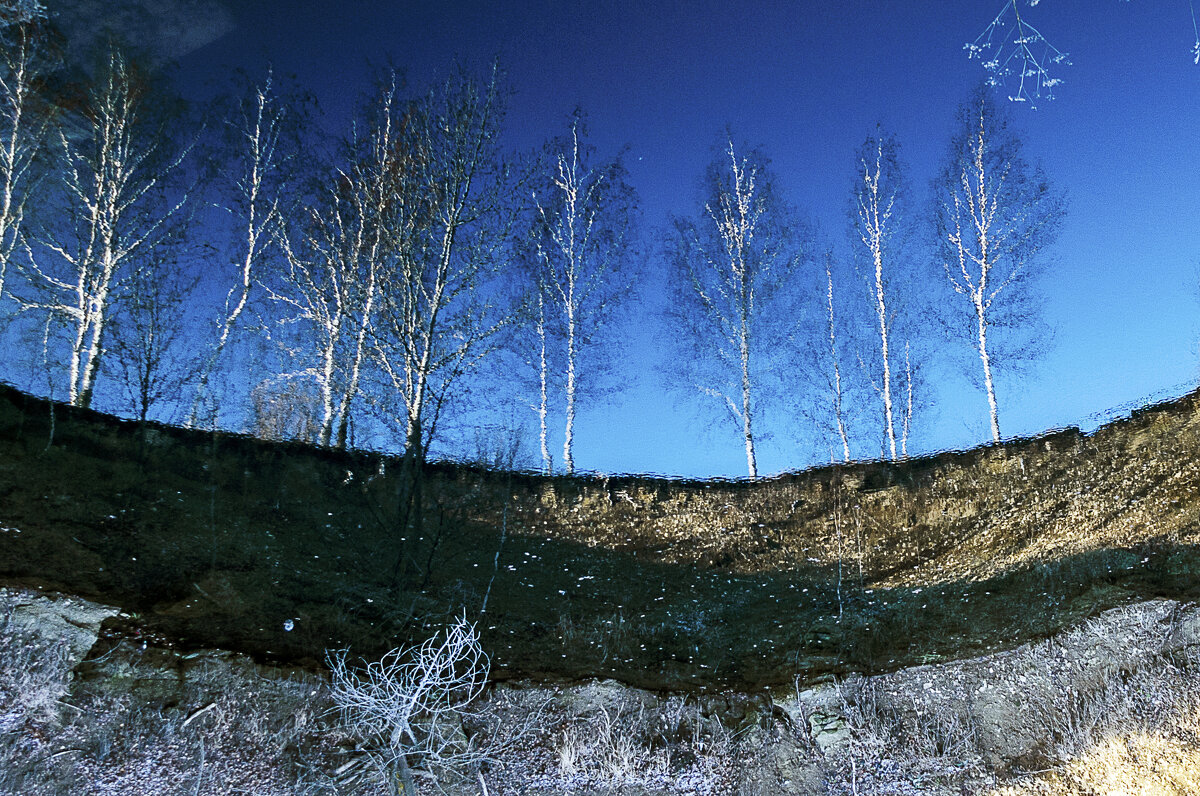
409,710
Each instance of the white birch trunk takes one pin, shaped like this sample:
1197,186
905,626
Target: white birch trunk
542,386
885,355
98,315
263,138
908,410
364,323
989,387
837,369
325,384
569,433
747,384
18,142
874,213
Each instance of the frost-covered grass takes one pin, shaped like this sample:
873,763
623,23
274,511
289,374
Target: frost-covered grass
137,721
1110,707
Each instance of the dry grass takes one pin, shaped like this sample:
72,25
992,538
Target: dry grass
134,722
1131,764
1137,732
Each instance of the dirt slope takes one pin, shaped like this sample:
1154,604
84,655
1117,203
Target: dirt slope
213,540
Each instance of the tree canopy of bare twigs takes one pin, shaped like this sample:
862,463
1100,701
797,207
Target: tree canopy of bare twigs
995,216
116,158
149,339
584,223
444,300
732,268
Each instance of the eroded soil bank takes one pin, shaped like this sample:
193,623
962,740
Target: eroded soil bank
221,541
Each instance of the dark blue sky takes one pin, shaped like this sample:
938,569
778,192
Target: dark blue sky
808,81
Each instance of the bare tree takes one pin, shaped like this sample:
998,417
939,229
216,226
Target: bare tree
115,166
876,190
729,268
541,363
148,335
584,224
334,270
836,392
995,217
441,308
22,128
255,205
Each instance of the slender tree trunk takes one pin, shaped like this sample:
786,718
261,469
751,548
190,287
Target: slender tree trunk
226,327
837,370
885,354
16,153
542,374
327,367
88,383
356,363
98,313
262,136
747,428
987,372
569,437
77,357
908,410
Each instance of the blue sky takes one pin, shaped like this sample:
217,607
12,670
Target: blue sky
808,81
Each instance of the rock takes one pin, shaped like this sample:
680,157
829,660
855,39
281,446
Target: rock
598,696
820,711
778,763
70,621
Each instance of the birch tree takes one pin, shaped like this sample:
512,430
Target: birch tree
541,364
335,261
995,216
584,227
874,218
441,307
115,162
730,267
255,207
22,131
836,389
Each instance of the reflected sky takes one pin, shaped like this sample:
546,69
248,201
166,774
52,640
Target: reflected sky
808,81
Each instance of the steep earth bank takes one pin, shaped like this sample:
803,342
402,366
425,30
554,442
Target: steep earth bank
214,540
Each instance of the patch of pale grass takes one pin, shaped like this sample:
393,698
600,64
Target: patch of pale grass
1134,764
